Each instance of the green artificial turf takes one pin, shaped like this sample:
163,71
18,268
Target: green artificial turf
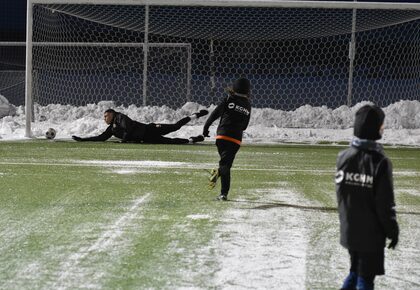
70,217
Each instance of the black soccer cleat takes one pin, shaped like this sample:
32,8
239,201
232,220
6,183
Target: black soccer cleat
196,139
214,175
222,197
201,113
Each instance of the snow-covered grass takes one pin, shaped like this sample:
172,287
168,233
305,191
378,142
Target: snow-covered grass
134,216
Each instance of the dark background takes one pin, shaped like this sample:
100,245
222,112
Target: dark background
13,18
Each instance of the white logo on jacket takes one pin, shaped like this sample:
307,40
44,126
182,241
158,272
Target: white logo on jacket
352,178
339,176
238,108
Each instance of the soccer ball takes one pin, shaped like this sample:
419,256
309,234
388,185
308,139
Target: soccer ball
50,134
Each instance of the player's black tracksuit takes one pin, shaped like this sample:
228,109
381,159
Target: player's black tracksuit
366,205
234,113
132,131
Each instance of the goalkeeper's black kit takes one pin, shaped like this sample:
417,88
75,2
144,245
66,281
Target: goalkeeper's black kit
234,113
129,130
366,205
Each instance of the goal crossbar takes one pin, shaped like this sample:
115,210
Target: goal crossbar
111,44
246,3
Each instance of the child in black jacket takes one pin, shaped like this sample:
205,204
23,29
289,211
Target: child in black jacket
365,197
234,113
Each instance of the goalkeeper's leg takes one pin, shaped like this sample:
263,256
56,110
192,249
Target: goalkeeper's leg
163,129
166,140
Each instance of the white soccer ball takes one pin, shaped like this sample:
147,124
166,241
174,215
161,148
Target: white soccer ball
50,134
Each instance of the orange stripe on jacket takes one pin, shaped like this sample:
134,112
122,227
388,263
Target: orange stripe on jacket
227,138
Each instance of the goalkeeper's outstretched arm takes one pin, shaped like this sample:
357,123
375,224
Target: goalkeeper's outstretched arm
102,137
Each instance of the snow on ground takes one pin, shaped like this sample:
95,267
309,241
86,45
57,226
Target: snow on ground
127,163
256,248
306,124
70,273
261,243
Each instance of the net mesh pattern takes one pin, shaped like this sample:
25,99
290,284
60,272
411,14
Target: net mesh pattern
293,57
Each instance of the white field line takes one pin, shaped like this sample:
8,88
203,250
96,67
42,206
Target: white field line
71,275
176,165
410,191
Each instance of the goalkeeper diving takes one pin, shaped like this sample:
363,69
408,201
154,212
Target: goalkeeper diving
128,130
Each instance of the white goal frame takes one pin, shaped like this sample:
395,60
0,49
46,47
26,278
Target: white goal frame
215,3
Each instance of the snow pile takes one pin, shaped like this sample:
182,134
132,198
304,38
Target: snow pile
6,109
305,124
401,115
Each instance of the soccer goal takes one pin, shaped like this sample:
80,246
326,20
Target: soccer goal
168,52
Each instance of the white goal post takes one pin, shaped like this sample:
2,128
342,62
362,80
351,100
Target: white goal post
167,52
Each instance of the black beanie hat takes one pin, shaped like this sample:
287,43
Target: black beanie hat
368,122
241,86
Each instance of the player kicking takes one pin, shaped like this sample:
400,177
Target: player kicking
365,196
234,113
121,126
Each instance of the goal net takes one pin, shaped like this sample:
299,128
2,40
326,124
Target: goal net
170,52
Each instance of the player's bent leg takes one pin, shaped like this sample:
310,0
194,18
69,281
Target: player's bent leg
163,129
214,176
182,122
185,120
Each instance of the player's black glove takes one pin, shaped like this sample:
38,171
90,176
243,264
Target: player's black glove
393,243
77,138
206,133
